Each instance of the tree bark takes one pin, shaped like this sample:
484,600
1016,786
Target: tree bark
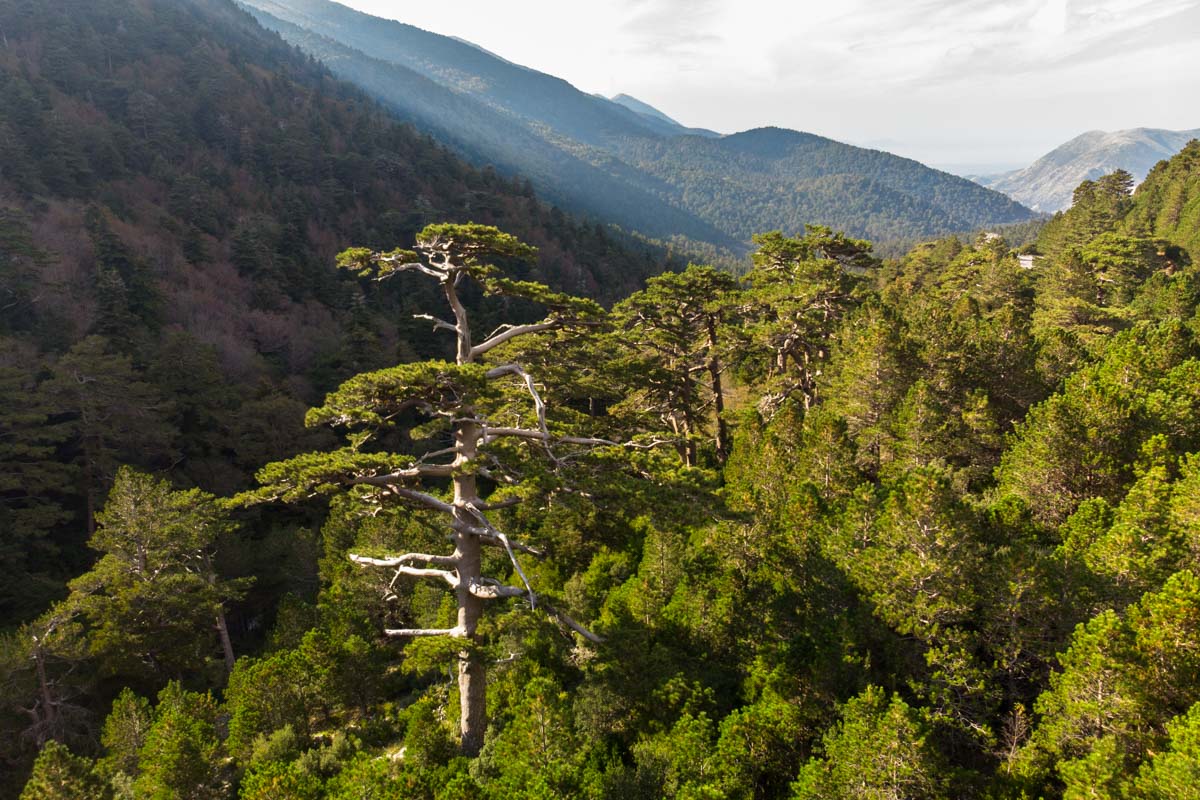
471,529
472,675
50,707
714,370
226,642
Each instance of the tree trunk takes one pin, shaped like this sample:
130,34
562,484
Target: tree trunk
472,674
472,691
226,643
714,370
50,707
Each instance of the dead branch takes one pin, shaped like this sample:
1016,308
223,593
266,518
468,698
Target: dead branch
438,324
455,632
572,624
511,332
396,561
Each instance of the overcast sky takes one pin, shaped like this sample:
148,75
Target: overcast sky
958,84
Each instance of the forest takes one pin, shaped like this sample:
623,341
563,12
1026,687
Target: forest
333,467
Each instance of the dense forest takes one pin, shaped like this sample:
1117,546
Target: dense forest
333,467
175,184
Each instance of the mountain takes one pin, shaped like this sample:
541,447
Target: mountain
485,134
1047,184
623,161
653,114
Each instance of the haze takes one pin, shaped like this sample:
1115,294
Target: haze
966,85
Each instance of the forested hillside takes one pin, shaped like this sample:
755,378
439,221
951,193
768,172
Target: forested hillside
647,174
311,486
1169,200
923,528
174,183
579,177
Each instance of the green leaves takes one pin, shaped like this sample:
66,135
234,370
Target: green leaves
151,600
182,755
879,749
312,474
369,264
444,251
59,774
1084,441
376,399
1122,681
471,244
565,307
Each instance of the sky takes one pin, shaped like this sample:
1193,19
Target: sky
964,85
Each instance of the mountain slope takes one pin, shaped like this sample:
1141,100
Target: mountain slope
1167,204
736,185
487,134
175,182
466,69
1048,183
773,178
654,115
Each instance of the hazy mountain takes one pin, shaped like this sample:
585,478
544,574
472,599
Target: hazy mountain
1048,183
468,70
622,160
647,110
582,178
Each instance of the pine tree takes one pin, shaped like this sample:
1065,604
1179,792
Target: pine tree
675,329
491,411
114,417
154,601
59,774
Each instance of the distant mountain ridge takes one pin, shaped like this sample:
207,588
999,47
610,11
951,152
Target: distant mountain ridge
623,161
647,110
1048,184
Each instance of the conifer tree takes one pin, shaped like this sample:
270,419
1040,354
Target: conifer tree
112,416
155,590
802,289
676,327
59,774
489,410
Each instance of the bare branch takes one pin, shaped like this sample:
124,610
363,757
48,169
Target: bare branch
490,590
506,332
396,561
438,324
490,539
408,267
417,572
445,451
526,433
403,475
497,477
512,556
538,404
455,632
422,498
572,624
